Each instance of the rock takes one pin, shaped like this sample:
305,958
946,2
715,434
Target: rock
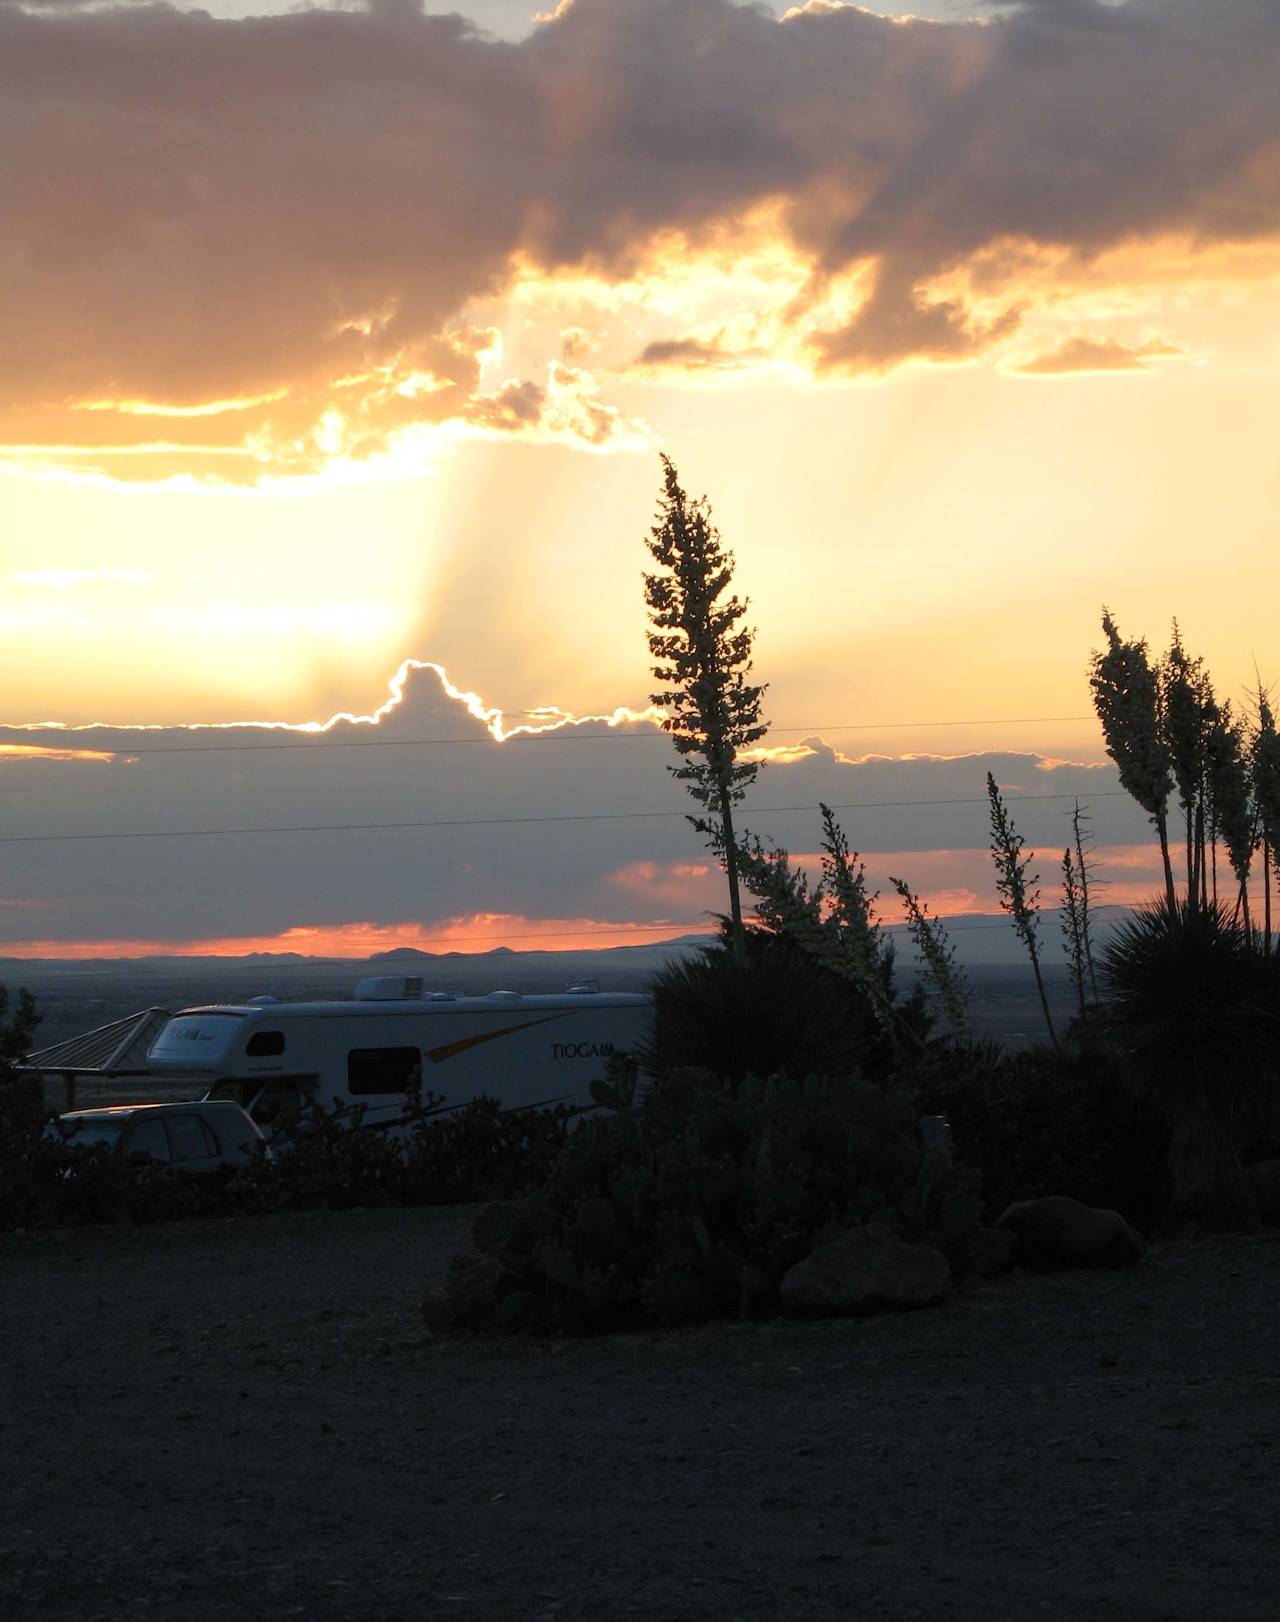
1263,1181
471,1296
1059,1232
865,1271
989,1251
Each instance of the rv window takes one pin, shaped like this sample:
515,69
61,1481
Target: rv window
381,1070
263,1044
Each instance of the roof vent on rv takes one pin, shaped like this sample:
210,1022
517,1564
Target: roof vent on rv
504,996
388,987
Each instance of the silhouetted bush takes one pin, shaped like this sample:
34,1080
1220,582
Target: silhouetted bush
1040,1122
332,1159
1192,1010
694,1198
780,1012
485,1152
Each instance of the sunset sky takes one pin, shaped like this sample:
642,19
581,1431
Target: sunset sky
332,339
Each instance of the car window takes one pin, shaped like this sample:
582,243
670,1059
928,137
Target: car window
191,1138
147,1136
86,1132
263,1044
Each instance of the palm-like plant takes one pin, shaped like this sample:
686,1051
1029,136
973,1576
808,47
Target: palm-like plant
1193,1010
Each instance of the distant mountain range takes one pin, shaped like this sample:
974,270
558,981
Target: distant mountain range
981,940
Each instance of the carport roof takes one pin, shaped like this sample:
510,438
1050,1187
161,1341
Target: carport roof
117,1049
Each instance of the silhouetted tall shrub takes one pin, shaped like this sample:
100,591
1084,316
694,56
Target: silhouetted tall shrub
1192,1008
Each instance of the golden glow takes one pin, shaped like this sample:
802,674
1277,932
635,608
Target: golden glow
33,752
873,525
154,408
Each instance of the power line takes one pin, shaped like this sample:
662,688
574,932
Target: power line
507,822
557,736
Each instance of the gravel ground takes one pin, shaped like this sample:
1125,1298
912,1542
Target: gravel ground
244,1419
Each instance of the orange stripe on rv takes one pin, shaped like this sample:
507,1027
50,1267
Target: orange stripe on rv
450,1050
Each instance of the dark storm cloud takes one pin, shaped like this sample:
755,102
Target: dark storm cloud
301,206
593,863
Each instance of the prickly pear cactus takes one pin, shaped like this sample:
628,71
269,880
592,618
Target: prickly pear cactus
691,1199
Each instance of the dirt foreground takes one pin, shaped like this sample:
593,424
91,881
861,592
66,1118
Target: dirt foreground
246,1419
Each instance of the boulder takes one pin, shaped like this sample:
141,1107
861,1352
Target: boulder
1263,1181
1058,1232
866,1271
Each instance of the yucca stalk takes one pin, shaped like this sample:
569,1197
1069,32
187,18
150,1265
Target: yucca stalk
1229,786
1126,696
937,958
834,921
702,655
1016,886
853,917
785,904
1082,839
1266,794
1073,925
1188,716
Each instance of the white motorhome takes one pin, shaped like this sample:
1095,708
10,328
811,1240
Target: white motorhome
525,1051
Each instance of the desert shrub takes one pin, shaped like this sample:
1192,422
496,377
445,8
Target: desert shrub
695,1197
779,1012
47,1181
333,1159
1040,1122
1192,1011
485,1152
28,1166
329,1160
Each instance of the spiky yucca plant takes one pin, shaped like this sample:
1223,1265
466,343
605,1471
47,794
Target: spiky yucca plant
1193,1009
780,1012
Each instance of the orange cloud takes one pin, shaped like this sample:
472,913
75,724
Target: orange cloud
1083,355
694,886
476,933
957,883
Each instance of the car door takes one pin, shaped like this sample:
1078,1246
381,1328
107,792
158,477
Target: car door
146,1136
192,1142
